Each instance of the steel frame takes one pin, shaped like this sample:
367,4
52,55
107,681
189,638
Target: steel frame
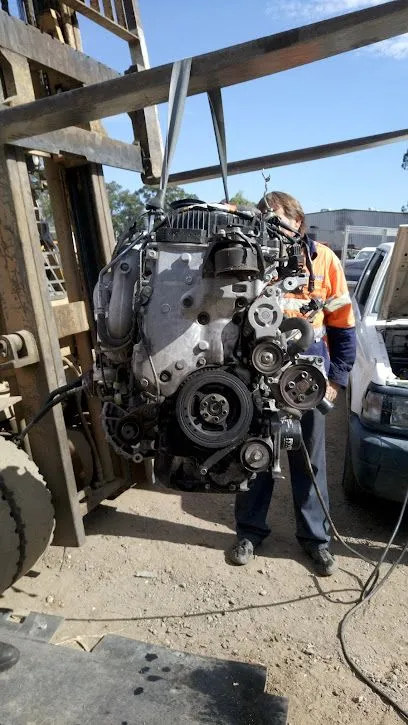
229,66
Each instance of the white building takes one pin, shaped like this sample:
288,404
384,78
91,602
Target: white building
329,225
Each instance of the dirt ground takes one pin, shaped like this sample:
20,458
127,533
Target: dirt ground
153,568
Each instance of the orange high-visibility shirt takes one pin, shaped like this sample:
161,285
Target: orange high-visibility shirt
331,287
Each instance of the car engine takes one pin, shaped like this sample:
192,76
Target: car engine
197,366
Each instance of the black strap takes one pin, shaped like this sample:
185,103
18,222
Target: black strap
180,78
217,115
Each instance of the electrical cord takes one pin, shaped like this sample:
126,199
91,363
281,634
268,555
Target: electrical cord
369,588
51,401
402,712
89,437
64,389
326,510
370,584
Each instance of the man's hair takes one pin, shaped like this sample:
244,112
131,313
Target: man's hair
291,206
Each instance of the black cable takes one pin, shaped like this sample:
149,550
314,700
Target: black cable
369,586
326,510
64,388
354,666
44,410
369,589
309,267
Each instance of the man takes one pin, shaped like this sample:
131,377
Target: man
334,340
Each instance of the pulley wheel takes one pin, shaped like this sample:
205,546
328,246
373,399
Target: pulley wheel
267,357
256,455
214,409
302,386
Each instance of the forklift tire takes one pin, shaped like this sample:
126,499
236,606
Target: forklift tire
26,514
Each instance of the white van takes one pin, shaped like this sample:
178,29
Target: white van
376,458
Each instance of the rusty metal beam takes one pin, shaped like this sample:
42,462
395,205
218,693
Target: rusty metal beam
236,64
90,145
40,48
297,156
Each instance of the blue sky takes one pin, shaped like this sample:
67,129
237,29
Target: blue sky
354,94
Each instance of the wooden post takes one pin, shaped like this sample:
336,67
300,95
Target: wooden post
75,291
26,306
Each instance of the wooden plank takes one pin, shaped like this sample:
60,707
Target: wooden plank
25,305
90,145
48,23
59,194
103,212
236,64
70,25
50,53
120,15
100,19
298,156
18,79
70,318
132,17
107,9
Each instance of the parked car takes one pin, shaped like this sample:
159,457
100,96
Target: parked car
354,268
376,459
364,254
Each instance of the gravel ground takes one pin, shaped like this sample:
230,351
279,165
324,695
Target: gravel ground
153,568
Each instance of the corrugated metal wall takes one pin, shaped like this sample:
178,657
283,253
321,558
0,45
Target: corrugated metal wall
329,226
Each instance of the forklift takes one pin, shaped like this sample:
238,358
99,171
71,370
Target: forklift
52,96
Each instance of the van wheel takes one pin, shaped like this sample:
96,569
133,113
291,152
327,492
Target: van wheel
26,514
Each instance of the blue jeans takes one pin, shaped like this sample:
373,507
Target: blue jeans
251,508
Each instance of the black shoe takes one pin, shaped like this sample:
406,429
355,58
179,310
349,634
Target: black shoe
324,562
241,552
9,655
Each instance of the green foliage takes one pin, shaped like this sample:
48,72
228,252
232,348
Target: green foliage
172,194
127,205
239,200
41,195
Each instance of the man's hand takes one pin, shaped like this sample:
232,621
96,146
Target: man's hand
332,390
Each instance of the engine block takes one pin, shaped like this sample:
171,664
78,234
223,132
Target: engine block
198,367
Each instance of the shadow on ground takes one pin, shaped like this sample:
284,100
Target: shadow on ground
369,527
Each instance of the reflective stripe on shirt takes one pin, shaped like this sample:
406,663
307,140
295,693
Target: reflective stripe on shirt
335,303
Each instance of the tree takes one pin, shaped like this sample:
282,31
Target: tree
127,205
173,193
239,200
